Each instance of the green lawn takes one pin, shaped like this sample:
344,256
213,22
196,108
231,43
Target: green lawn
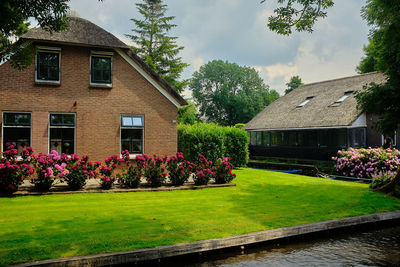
52,226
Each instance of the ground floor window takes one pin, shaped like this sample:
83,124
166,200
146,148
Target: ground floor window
62,133
132,133
17,130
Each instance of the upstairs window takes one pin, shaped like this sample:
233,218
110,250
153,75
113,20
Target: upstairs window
16,130
48,66
62,133
132,133
302,104
101,69
340,100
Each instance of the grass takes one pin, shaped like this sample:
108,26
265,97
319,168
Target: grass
52,226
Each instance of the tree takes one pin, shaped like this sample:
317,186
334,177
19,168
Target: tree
50,15
228,93
294,82
188,114
154,46
298,14
369,63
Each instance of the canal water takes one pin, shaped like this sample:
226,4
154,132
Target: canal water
380,247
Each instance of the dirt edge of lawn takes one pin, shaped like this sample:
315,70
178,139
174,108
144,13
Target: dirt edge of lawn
162,252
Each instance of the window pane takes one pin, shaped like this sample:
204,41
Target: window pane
127,121
48,66
62,140
62,119
132,140
101,69
137,121
265,139
19,137
21,119
132,121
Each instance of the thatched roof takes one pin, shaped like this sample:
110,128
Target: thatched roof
319,111
80,31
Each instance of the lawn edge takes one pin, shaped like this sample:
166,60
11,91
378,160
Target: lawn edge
181,249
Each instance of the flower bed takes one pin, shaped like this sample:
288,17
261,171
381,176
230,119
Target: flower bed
75,171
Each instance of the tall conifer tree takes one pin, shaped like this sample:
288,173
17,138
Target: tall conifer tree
153,44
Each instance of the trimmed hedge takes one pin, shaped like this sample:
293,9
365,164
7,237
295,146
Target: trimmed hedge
213,142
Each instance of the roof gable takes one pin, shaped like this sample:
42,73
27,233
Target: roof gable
320,111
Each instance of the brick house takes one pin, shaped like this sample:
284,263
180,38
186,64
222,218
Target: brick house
315,120
87,93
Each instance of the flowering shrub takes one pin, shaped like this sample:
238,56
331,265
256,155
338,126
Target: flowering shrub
223,171
131,177
204,171
153,169
108,179
79,170
179,169
48,168
367,162
13,172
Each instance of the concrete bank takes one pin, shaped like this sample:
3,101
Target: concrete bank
163,252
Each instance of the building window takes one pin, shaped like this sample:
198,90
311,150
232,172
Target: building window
302,104
340,100
132,132
62,133
17,130
100,69
48,66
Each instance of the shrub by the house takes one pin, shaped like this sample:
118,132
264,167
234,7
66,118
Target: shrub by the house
367,163
179,169
130,177
13,171
213,142
153,169
79,171
204,171
223,171
108,179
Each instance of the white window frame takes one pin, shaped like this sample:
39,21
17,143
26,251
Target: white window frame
131,156
6,126
302,104
342,98
48,49
69,127
101,54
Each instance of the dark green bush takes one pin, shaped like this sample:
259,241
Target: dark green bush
213,142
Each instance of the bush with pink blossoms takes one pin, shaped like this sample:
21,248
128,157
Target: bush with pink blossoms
130,178
14,171
48,168
79,170
223,171
204,171
367,163
179,169
153,169
108,179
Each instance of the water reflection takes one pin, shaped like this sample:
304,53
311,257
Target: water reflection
371,248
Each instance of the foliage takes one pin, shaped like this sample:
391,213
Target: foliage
299,15
384,99
369,63
153,169
367,163
228,93
295,81
50,15
131,177
213,142
179,169
380,180
204,171
79,171
108,179
13,171
188,114
223,171
154,46
48,168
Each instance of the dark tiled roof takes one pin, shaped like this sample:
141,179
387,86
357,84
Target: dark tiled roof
80,31
319,112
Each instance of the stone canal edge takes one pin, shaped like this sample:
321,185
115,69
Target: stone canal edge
161,252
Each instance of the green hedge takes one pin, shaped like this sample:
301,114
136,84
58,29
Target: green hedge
213,142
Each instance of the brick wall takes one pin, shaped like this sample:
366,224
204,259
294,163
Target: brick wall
97,110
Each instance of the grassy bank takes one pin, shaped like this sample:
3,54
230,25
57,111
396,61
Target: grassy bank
52,226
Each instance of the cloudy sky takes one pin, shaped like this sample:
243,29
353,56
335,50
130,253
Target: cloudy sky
235,30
